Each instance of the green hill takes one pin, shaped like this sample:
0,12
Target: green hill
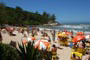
9,15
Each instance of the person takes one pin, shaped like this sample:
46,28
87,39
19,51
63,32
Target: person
88,39
47,37
54,52
81,47
73,57
0,36
86,56
78,58
71,44
58,41
53,35
33,38
26,33
24,39
54,49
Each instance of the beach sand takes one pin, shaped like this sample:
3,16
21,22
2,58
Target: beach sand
63,54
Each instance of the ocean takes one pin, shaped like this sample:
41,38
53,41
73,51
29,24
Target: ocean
70,27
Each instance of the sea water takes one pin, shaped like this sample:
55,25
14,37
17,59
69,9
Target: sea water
75,28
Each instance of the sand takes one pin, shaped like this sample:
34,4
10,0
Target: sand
63,54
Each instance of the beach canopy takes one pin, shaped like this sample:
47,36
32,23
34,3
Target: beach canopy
42,44
78,38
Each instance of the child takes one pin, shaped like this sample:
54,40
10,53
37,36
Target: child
54,52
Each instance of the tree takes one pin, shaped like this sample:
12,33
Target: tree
18,16
53,18
18,8
45,18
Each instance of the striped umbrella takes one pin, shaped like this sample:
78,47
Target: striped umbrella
42,44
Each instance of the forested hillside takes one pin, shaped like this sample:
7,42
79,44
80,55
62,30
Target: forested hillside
9,15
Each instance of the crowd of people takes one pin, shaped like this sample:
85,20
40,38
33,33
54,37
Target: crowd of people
77,42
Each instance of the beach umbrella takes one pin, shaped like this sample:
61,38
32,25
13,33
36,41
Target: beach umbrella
31,39
42,44
80,33
78,38
68,33
24,42
62,34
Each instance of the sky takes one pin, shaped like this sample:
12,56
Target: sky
66,11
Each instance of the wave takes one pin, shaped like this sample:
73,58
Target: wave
74,28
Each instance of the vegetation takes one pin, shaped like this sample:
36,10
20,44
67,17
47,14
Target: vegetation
8,53
27,52
19,16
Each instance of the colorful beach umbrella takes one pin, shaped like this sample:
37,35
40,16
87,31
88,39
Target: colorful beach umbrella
31,39
62,34
68,33
24,42
78,38
80,33
42,44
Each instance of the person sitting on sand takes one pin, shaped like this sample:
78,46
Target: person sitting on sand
73,57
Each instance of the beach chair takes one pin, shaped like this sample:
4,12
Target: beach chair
77,54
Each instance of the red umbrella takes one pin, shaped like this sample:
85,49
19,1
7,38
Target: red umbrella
78,38
24,41
68,33
42,44
80,33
